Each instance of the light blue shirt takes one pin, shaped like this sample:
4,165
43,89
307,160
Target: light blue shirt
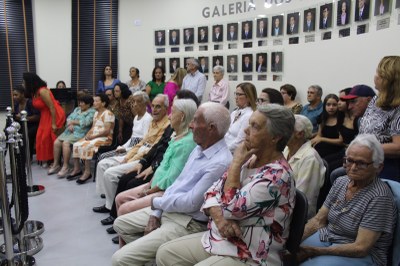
195,82
312,114
202,169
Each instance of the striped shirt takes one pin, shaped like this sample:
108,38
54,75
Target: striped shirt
371,208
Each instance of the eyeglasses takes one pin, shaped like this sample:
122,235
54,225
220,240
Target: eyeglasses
237,94
261,100
359,164
109,94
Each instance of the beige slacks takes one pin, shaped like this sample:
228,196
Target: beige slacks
188,250
141,249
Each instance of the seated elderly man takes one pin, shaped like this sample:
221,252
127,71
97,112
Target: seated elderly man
308,168
109,170
356,223
250,206
177,212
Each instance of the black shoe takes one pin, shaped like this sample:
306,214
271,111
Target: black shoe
111,230
83,181
101,209
108,221
115,240
103,196
74,176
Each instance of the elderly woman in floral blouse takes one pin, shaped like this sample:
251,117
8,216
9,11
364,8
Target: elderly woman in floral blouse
250,206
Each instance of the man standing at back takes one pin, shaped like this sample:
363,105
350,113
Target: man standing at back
177,212
314,108
195,80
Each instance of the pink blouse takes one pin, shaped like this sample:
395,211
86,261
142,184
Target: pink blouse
170,89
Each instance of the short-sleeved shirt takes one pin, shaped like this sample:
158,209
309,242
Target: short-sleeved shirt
382,123
155,89
371,208
312,114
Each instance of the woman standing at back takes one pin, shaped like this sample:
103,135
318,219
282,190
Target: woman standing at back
52,116
107,81
173,85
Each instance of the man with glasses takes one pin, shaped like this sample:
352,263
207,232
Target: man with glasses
194,81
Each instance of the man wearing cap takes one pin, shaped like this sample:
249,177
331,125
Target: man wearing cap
357,102
315,106
358,99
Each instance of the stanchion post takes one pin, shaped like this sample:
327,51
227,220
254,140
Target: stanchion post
33,190
5,208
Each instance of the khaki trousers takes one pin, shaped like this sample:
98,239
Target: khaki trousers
188,250
141,249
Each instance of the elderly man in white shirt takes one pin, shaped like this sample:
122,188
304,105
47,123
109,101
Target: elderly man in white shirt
194,81
308,167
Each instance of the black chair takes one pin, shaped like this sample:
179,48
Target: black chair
323,192
299,220
103,149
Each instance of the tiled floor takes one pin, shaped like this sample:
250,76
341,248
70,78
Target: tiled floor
73,233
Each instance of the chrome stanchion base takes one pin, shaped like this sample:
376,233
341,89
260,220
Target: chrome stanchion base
33,228
35,190
1,224
32,245
29,261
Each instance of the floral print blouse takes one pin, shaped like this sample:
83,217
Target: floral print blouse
263,208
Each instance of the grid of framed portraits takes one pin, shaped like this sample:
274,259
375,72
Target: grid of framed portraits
220,38
246,63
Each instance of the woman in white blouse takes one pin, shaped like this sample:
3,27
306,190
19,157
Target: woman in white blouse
245,96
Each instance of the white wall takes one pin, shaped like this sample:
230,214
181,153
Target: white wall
334,64
53,45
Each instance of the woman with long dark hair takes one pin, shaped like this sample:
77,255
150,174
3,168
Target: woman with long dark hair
52,116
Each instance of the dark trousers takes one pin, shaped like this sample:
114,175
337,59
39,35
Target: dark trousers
126,182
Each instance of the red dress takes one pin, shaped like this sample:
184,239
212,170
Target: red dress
45,136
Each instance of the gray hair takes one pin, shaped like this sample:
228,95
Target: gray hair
217,114
188,107
166,99
318,89
280,122
195,62
144,95
371,142
219,69
303,124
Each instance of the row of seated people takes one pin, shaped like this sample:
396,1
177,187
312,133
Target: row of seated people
144,191
240,95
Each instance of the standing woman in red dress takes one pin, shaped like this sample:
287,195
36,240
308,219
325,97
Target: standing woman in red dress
52,116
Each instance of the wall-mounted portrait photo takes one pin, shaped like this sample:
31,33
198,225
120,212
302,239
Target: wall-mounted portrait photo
217,61
381,7
247,30
159,37
276,62
261,63
231,64
188,36
217,33
262,27
292,23
343,12
247,63
202,34
361,12
232,32
277,26
203,60
325,16
174,37
174,63
309,20
159,62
